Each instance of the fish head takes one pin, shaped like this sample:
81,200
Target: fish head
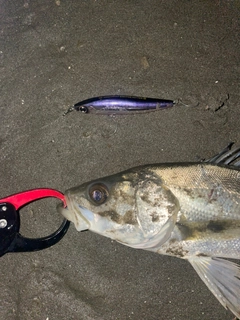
133,207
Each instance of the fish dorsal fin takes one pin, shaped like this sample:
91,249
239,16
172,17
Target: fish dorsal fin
222,278
227,156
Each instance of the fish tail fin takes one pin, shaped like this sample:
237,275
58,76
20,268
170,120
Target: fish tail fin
222,277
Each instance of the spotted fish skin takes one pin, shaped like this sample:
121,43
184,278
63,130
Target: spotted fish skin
208,222
186,210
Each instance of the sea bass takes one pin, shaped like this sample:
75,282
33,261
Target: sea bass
186,210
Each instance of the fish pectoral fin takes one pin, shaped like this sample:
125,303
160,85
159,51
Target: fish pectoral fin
222,277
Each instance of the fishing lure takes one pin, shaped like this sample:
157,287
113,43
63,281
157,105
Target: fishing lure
120,105
10,238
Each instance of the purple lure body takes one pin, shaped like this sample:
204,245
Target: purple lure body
121,105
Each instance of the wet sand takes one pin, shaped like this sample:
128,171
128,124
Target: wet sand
56,53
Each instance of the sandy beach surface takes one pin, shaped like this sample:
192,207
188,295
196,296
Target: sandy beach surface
56,53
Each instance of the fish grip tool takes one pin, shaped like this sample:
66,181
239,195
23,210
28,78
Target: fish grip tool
10,238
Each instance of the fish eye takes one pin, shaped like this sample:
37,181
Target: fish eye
98,193
83,109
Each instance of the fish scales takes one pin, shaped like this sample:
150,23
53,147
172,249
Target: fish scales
204,191
186,210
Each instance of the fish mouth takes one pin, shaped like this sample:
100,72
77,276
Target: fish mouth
77,214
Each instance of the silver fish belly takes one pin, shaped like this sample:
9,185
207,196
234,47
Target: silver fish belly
190,211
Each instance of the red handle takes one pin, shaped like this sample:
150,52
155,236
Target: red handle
25,197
